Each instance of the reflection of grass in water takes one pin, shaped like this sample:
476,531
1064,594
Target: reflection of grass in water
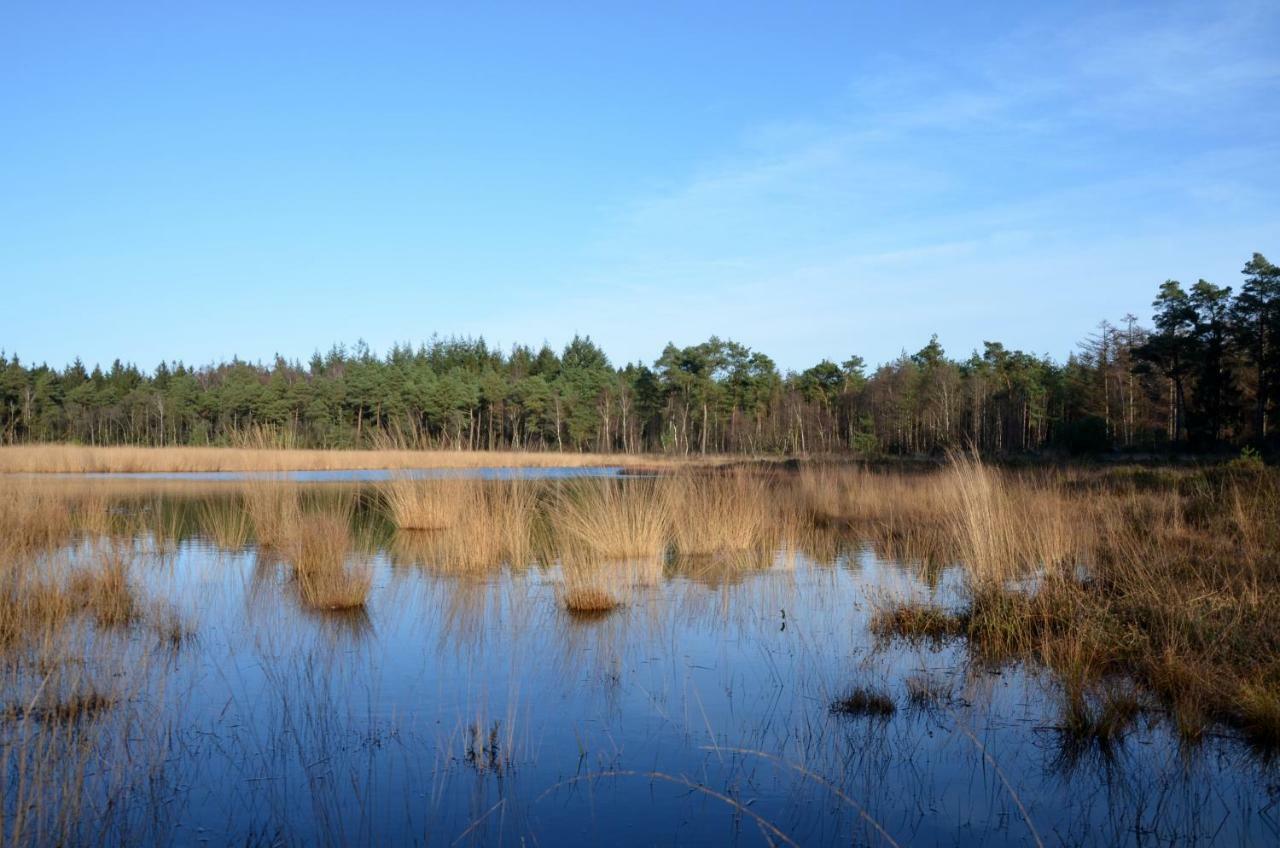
816,778
344,625
724,568
65,709
926,692
1179,614
492,525
225,521
766,826
1094,723
1175,586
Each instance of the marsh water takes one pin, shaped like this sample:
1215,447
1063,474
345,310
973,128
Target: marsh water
473,708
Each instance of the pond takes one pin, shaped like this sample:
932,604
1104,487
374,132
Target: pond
469,706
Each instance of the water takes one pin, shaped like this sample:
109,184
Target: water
474,709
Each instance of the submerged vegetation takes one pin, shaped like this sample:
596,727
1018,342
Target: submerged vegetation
1142,598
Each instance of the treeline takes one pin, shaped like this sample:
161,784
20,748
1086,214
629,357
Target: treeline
1204,375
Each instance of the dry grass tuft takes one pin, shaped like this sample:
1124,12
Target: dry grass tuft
713,514
1006,530
865,701
226,522
343,588
494,525
319,542
169,625
589,600
320,549
614,519
1259,714
429,504
917,622
1099,723
275,509
103,588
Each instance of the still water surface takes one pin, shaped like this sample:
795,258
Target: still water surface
472,708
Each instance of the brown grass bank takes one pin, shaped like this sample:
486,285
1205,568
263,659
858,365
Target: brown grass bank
1103,575
80,459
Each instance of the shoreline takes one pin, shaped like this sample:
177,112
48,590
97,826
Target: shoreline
57,459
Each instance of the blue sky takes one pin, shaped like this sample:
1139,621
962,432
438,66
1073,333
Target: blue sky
813,180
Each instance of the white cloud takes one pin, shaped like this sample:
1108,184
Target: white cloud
1029,194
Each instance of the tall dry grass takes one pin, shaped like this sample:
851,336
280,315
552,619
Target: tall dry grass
729,513
32,519
79,459
429,504
611,536
904,516
476,525
1006,529
314,536
613,520
274,509
1173,584
226,522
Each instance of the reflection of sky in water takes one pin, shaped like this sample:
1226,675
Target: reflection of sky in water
317,728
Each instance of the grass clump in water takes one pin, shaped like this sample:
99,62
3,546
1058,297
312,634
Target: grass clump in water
926,692
103,588
225,522
917,622
1259,714
1100,722
715,513
612,519
321,552
864,701
589,601
429,504
275,509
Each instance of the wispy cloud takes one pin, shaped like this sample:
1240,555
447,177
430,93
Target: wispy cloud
1017,181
